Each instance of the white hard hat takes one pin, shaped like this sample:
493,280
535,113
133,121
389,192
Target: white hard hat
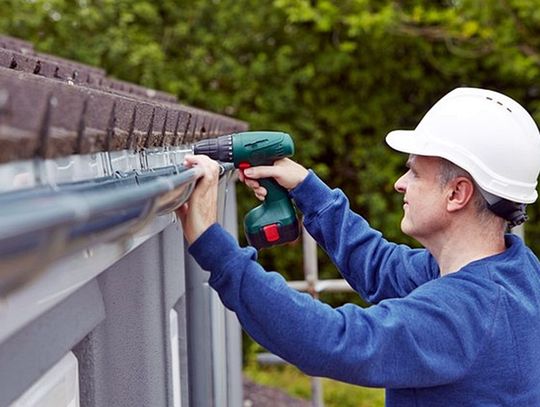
484,132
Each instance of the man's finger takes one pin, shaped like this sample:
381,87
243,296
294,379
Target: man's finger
191,159
209,167
252,183
262,171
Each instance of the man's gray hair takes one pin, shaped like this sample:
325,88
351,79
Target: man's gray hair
450,171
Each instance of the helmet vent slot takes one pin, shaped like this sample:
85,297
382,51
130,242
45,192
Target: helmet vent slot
499,103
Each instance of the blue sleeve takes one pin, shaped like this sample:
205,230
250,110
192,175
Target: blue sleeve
374,267
430,338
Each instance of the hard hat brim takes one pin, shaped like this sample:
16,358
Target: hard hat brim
416,143
409,141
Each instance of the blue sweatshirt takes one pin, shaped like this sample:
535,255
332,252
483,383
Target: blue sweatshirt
470,338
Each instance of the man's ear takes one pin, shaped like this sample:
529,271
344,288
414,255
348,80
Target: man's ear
460,193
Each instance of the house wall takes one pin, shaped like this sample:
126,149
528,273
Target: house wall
124,319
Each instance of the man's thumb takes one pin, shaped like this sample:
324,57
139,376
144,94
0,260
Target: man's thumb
181,213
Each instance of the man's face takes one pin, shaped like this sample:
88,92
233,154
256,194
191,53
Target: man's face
424,198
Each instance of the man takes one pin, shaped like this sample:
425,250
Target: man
455,324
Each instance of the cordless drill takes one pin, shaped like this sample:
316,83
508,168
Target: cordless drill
274,222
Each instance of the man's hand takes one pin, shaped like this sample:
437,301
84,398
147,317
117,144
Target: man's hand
200,212
286,172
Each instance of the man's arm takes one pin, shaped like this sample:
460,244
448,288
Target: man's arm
374,267
430,338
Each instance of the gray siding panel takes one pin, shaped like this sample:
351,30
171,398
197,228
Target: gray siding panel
30,352
127,350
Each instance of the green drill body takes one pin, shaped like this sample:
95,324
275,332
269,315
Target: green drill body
274,222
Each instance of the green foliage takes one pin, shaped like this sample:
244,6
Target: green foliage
336,75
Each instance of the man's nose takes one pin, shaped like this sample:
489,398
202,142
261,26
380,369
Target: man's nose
401,185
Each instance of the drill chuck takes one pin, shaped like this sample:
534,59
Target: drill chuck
220,149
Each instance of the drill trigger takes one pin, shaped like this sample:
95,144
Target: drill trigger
242,166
